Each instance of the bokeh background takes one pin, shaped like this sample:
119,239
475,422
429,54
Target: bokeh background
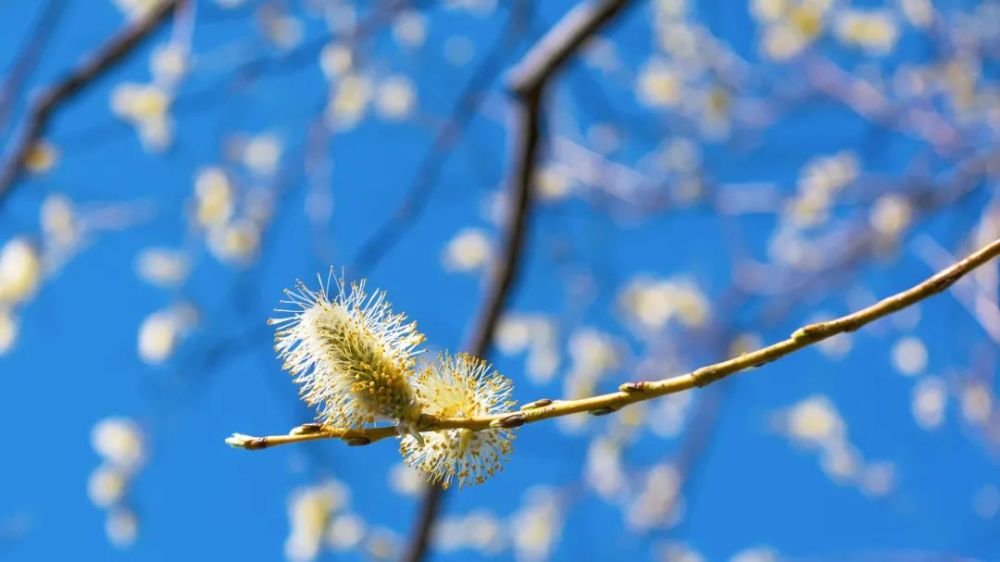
713,175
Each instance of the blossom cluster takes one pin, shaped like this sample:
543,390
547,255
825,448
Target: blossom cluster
357,362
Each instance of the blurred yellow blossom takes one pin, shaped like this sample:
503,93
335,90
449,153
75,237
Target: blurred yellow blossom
536,527
139,102
604,471
345,532
169,63
653,302
872,30
309,512
121,527
679,552
756,554
977,403
8,330
891,215
161,330
553,182
929,399
119,441
146,107
789,25
840,461
395,98
136,9
657,504
468,251
406,481
909,355
235,243
106,485
336,60
352,94
20,271
162,267
59,221
878,479
283,30
920,13
659,85
213,197
261,154
768,10
813,420
410,29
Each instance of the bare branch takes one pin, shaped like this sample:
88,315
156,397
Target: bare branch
27,60
92,67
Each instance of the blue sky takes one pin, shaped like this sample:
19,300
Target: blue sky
919,492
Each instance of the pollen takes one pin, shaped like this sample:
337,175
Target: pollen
350,353
460,386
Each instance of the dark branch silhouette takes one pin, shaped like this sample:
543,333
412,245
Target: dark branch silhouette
527,83
27,60
92,67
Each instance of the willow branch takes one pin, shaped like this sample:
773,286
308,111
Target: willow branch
92,67
632,392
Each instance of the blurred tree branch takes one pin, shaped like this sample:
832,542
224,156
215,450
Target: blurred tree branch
527,83
27,60
92,67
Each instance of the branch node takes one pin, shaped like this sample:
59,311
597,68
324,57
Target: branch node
357,441
602,411
634,387
806,332
507,422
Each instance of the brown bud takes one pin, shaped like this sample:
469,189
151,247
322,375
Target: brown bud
635,386
307,429
507,422
536,404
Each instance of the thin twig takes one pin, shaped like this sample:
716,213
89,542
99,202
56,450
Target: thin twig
632,392
90,68
27,61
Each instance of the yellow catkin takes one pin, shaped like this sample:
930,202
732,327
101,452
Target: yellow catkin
455,387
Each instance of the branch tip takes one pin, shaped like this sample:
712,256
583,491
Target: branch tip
246,442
